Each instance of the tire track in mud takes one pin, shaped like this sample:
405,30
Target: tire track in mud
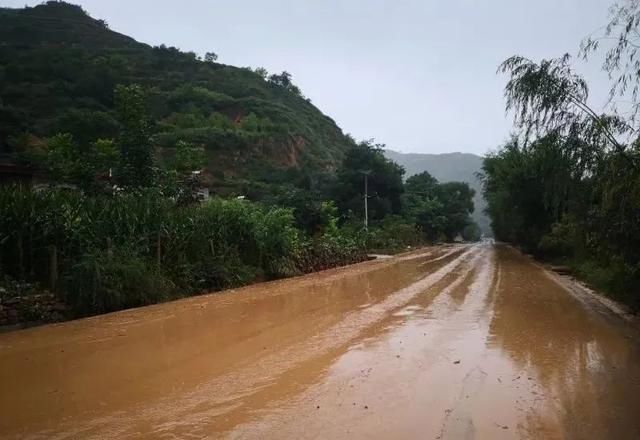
229,397
146,353
455,342
327,345
342,387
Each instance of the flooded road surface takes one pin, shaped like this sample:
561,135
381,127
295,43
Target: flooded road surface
458,342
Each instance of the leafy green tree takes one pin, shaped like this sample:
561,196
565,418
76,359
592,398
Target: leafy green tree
421,185
457,206
63,157
188,158
136,168
71,162
428,216
438,210
86,125
181,177
105,156
422,205
525,188
251,123
284,80
549,97
328,218
210,57
264,73
384,181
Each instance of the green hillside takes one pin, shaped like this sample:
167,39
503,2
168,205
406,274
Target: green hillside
122,141
59,67
448,167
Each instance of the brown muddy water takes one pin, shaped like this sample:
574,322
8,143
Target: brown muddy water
457,342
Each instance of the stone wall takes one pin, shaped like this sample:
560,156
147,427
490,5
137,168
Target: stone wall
31,309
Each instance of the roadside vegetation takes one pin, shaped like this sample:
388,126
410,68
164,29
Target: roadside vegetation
126,141
113,228
108,252
566,187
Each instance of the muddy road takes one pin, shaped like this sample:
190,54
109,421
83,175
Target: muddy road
458,342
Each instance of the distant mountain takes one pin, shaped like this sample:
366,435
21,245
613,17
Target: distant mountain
448,167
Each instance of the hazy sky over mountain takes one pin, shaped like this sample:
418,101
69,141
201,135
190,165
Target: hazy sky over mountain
418,75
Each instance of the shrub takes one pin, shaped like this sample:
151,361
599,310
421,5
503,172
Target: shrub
616,278
392,235
104,281
331,249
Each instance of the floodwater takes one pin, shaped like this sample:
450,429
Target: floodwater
454,342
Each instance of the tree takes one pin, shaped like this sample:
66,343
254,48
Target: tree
136,167
428,217
85,125
262,72
457,206
518,189
181,177
210,57
188,158
284,80
385,186
422,206
250,123
439,210
63,158
71,162
422,185
548,96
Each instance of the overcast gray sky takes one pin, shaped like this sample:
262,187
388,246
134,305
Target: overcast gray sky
418,75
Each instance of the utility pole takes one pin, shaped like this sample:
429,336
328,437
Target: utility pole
366,199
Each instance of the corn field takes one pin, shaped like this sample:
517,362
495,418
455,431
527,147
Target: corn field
109,252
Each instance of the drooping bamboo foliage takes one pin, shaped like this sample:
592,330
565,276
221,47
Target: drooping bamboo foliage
567,187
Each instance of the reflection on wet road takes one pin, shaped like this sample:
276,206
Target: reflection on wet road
455,342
